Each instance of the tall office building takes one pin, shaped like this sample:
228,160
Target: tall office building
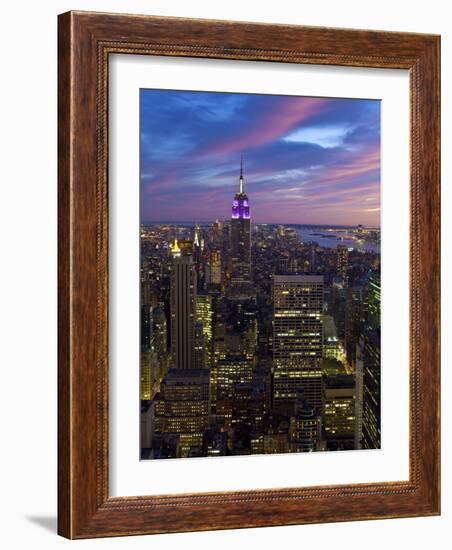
160,337
146,327
339,414
215,267
146,285
297,340
233,369
204,316
354,319
342,262
145,376
371,414
248,406
216,233
182,411
153,353
305,426
200,356
337,305
183,308
146,353
240,236
359,381
374,300
370,355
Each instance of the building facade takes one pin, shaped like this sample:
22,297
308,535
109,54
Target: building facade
183,309
297,340
182,410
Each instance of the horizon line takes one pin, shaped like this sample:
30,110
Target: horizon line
168,222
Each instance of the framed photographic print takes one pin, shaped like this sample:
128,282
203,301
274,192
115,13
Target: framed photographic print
248,275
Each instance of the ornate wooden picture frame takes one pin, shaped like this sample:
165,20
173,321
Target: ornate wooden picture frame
86,41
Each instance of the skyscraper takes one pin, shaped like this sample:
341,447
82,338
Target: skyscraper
160,332
371,415
370,355
146,327
374,300
183,308
231,370
145,376
359,380
354,318
305,426
342,262
146,352
297,340
204,315
240,236
339,417
182,410
215,267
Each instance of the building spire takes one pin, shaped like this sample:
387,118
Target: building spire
241,189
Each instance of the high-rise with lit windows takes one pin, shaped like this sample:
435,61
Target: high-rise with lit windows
215,267
204,316
370,343
305,426
342,263
297,340
182,411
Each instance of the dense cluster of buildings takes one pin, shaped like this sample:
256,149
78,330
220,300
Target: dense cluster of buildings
253,341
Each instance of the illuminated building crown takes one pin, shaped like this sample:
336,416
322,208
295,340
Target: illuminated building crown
175,249
240,204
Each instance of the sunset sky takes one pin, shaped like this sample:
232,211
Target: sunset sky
306,160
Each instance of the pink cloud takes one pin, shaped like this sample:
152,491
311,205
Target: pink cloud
163,182
272,125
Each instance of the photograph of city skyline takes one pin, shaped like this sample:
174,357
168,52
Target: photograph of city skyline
259,274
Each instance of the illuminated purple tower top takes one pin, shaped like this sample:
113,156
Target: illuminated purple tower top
240,204
240,251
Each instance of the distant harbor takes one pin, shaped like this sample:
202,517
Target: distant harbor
332,239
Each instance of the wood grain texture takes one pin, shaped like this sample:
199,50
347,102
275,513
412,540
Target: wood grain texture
85,42
64,295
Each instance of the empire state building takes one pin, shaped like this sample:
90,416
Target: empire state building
240,237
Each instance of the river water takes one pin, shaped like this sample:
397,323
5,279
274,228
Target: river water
331,240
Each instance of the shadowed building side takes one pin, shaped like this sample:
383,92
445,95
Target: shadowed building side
183,309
